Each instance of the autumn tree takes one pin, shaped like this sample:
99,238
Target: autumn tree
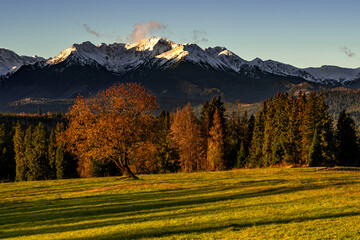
110,125
216,144
186,132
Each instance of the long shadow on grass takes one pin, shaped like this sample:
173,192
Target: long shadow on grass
74,210
214,226
24,210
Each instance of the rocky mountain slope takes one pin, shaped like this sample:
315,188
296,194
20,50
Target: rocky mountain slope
171,70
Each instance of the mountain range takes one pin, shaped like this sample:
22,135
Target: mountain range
170,70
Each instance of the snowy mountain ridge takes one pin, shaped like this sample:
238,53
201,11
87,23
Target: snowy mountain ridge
162,53
10,62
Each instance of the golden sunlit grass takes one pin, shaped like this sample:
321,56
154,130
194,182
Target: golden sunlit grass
273,203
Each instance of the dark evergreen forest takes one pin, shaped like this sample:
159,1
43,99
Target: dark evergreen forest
288,130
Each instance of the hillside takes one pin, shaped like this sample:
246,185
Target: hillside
271,203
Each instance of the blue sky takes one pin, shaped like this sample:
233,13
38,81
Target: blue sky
301,33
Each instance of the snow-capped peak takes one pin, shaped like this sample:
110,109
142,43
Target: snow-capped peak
10,62
162,53
228,58
154,44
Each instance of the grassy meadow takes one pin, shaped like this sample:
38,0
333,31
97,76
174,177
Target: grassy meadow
272,203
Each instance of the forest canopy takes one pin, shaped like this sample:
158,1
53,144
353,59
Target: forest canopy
116,132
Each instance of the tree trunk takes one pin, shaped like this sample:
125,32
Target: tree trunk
126,170
129,173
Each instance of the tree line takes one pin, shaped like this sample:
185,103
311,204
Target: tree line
288,130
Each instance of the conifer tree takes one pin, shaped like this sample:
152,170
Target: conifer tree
315,152
7,164
29,152
216,103
326,132
233,137
204,118
3,160
347,144
249,134
207,114
37,152
19,150
61,158
241,156
291,137
308,125
52,150
60,162
216,144
255,154
167,154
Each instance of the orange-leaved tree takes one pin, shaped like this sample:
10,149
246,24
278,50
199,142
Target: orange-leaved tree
186,132
110,125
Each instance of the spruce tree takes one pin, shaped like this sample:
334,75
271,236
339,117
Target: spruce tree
38,161
19,150
241,156
308,125
271,151
7,164
249,134
207,114
315,152
233,137
60,162
326,132
255,158
204,119
166,151
52,151
291,138
347,144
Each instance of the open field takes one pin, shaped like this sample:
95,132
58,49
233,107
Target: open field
272,203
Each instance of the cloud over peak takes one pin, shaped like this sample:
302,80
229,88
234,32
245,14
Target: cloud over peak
142,31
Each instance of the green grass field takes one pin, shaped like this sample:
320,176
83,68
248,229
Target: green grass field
272,203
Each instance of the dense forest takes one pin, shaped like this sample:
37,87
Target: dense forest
342,98
288,130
